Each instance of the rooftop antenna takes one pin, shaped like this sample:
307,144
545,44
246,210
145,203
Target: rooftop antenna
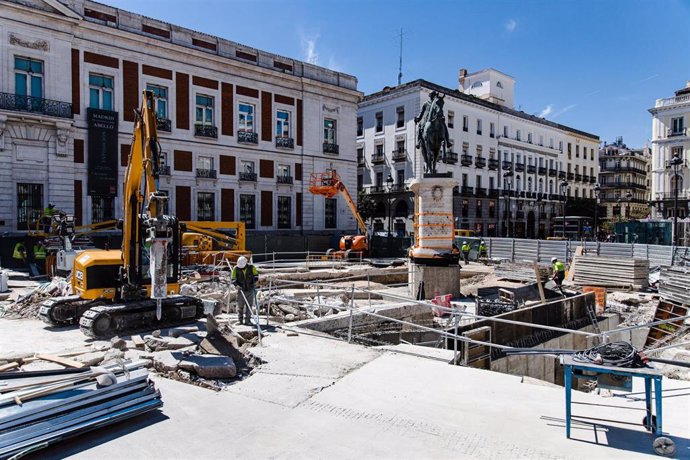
400,64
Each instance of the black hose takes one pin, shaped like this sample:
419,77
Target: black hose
616,354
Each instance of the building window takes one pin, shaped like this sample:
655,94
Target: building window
677,125
204,164
379,179
284,211
331,213
28,78
284,175
505,131
479,208
465,208
160,94
206,206
492,130
360,126
379,122
247,166
248,210
529,137
329,131
360,181
29,205
400,123
492,209
560,145
282,123
577,151
102,208
400,178
465,123
451,119
100,91
479,127
517,134
204,110
246,117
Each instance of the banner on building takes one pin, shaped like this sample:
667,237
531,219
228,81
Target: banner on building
102,160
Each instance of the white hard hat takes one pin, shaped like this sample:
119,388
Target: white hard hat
553,259
464,242
241,262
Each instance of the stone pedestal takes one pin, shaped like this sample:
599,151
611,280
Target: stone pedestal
437,280
434,221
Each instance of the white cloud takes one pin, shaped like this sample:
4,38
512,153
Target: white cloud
309,49
564,110
511,24
333,64
546,112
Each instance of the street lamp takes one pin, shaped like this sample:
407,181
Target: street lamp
509,182
564,190
674,163
628,198
620,208
389,196
597,190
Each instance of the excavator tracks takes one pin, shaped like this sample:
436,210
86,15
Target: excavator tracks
106,321
63,311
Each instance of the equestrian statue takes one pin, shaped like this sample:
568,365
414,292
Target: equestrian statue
432,132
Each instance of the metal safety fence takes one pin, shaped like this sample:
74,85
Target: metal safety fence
516,250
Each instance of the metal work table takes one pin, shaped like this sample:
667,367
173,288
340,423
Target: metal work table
652,422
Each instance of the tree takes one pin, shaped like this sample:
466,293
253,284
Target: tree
365,206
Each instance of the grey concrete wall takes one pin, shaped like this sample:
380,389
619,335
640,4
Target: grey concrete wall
437,280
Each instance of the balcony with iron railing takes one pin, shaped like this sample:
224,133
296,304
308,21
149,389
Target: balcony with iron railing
201,130
507,165
331,149
163,124
622,184
480,162
466,160
480,191
542,171
676,132
247,137
571,176
506,192
164,170
531,169
360,161
466,190
206,173
397,188
553,171
561,174
451,158
493,164
593,179
519,167
603,168
493,193
399,155
578,177
19,103
248,176
378,158
284,180
585,178
377,189
285,142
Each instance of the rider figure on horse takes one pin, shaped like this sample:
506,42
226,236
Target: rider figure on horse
432,132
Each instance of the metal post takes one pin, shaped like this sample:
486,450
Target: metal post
675,204
270,296
455,332
352,309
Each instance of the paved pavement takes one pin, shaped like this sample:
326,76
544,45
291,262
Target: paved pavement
316,397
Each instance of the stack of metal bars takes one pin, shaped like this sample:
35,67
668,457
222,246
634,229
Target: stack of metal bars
41,408
674,283
611,272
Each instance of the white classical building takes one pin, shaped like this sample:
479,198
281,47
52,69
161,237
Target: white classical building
499,155
670,137
241,129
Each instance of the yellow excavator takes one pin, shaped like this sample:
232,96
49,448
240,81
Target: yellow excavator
136,287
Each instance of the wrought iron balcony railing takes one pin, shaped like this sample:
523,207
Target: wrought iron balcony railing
571,176
19,103
480,162
399,155
466,190
493,164
542,171
561,174
531,169
164,124
206,173
377,189
451,158
378,158
553,171
578,177
466,160
333,149
493,192
205,131
285,142
519,167
480,191
507,166
248,176
397,188
247,137
284,180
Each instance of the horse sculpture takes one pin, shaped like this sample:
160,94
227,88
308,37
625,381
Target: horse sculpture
433,132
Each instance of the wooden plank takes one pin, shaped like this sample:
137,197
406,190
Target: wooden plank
60,360
539,285
9,366
138,341
578,253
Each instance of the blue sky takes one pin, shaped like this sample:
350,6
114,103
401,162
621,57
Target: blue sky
595,65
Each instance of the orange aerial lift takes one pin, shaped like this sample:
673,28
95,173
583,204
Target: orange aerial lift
328,184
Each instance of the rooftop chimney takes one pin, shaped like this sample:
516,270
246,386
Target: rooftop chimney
461,79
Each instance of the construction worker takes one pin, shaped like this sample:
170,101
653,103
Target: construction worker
245,276
558,271
465,249
47,218
40,255
483,250
19,252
